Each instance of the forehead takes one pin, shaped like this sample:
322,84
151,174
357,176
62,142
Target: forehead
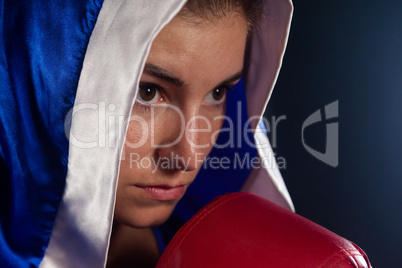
189,48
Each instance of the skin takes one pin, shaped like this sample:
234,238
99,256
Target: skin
200,55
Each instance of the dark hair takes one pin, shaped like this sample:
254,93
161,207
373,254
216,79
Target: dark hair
210,9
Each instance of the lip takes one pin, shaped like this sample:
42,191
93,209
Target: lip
163,192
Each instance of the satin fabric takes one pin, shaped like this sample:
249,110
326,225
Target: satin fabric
112,66
39,71
60,162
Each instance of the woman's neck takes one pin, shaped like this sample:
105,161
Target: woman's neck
132,247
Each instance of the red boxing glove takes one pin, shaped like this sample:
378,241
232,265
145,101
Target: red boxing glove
245,230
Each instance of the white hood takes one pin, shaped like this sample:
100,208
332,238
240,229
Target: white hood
113,63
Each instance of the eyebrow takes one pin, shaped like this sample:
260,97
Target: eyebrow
230,80
164,74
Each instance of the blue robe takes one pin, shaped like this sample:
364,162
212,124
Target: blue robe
54,59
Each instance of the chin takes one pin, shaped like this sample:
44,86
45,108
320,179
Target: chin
150,222
145,217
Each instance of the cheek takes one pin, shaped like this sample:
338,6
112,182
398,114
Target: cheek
143,136
137,144
143,132
138,133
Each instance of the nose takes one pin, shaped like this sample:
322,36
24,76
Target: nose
181,136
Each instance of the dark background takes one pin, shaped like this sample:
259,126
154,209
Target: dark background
351,52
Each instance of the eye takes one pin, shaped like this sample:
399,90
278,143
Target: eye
149,93
216,96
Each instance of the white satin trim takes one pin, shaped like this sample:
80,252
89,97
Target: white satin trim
267,180
263,62
265,55
119,44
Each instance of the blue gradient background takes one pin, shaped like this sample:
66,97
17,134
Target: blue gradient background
349,51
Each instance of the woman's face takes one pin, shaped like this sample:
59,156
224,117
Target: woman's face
177,115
